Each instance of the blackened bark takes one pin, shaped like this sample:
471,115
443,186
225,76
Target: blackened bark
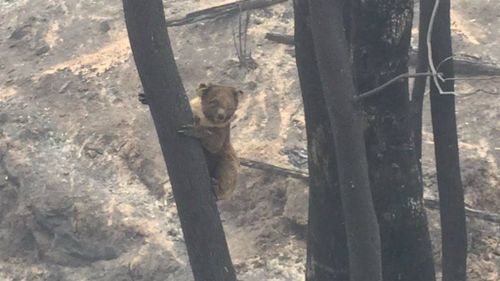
335,69
326,242
201,225
417,96
381,53
451,194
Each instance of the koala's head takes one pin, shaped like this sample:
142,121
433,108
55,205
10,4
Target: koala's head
218,102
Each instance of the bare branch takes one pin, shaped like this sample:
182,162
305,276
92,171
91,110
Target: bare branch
480,78
297,174
302,175
464,64
222,10
379,89
477,92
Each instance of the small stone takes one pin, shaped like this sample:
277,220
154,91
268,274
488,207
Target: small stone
291,52
172,232
252,85
296,202
104,26
3,118
19,33
42,50
258,21
91,153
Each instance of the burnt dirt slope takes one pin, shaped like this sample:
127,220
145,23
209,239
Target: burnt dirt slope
83,190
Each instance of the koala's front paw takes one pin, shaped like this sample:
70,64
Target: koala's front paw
142,98
194,131
188,130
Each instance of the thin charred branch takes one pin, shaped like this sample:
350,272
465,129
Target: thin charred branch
380,88
222,11
470,212
205,241
336,73
464,65
298,174
451,194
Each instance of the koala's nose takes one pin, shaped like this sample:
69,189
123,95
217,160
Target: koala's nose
221,116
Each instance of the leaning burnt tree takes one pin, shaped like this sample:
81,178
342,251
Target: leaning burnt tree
205,241
436,15
327,242
444,126
335,135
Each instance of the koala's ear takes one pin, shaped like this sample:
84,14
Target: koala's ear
202,89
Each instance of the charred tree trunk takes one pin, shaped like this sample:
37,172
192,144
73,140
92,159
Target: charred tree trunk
201,225
451,194
381,48
335,69
327,242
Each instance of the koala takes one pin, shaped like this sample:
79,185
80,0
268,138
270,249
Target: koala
213,110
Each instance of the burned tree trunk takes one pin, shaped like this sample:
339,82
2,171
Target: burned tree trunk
201,225
327,242
451,194
335,69
381,47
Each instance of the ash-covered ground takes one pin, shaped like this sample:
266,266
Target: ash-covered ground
84,193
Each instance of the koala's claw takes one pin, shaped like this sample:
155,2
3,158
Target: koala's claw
214,182
187,130
215,187
142,98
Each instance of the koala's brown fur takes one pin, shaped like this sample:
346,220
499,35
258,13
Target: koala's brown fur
213,110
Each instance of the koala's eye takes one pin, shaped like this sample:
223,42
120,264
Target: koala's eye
213,102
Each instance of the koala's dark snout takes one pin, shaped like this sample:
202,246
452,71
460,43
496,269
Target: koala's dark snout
221,117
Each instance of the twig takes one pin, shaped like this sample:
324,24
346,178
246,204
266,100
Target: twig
130,272
477,92
479,214
492,77
247,22
379,89
235,43
242,54
445,60
298,174
484,77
